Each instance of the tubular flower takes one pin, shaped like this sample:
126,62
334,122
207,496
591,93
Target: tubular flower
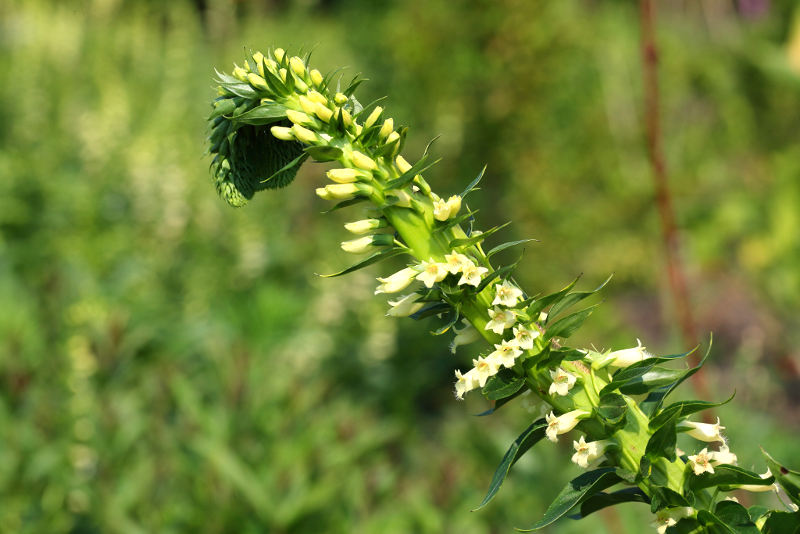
500,320
405,306
366,243
624,357
472,275
757,488
484,368
396,282
563,423
365,225
464,383
708,432
505,354
432,272
585,453
464,336
524,337
344,176
723,456
670,516
343,191
701,462
506,294
457,262
562,382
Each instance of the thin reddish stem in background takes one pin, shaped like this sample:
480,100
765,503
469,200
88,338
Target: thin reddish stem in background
669,230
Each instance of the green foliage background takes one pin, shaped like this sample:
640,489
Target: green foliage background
168,364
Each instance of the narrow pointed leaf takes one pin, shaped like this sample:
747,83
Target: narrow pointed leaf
727,475
374,258
573,298
532,435
500,403
789,479
296,162
504,246
598,501
346,203
473,183
566,326
324,153
539,305
684,408
576,492
502,385
262,115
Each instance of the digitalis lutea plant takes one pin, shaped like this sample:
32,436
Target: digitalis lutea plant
274,112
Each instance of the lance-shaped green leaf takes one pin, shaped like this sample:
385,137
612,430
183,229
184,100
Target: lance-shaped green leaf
262,115
452,317
346,203
324,153
577,491
374,258
449,223
601,500
684,408
502,272
789,479
573,298
687,525
504,384
782,523
611,408
434,309
566,326
663,440
224,106
532,435
656,398
476,238
539,305
504,246
727,475
663,497
407,177
473,183
500,403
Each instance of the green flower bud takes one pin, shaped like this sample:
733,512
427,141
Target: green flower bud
307,105
258,57
340,99
367,243
316,77
257,81
240,74
387,128
343,191
363,161
322,112
373,116
365,225
297,65
304,134
282,132
298,117
402,164
300,85
315,96
394,136
344,176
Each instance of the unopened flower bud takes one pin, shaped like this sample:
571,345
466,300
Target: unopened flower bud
304,134
340,99
316,96
343,191
396,282
307,104
258,57
394,136
257,81
387,128
365,225
347,119
271,65
240,74
402,164
298,117
324,194
402,196
282,73
373,116
300,85
279,54
405,306
322,111
316,77
367,243
297,65
282,132
343,176
363,161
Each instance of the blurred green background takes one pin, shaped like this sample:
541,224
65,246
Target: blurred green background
169,364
